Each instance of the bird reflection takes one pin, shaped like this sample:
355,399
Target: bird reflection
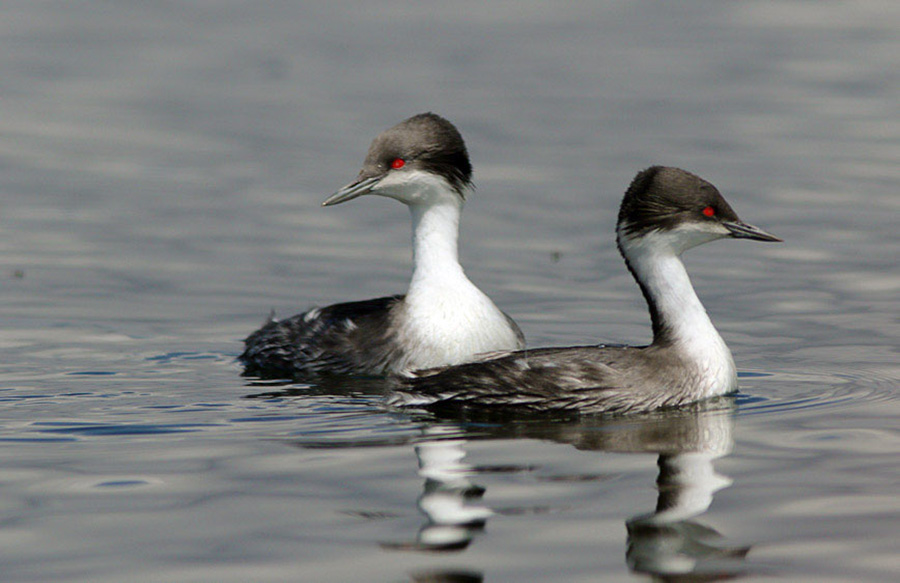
449,500
666,543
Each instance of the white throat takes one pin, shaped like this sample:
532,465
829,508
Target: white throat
435,234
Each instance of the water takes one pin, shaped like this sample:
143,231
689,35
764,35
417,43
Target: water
162,166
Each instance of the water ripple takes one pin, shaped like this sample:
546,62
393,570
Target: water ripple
781,392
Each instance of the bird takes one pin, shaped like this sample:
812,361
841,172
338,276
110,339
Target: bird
665,212
443,319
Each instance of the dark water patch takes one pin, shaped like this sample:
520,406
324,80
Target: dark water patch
264,419
37,439
191,408
90,429
24,397
577,478
171,357
61,397
333,440
122,484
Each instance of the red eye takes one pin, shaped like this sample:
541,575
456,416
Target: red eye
398,163
709,212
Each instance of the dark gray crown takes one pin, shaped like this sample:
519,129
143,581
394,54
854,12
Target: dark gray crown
661,197
425,142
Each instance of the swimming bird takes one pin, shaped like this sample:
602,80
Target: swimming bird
443,319
665,212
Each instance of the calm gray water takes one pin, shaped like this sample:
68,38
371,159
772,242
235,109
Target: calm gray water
161,169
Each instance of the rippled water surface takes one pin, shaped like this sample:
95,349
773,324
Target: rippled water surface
161,169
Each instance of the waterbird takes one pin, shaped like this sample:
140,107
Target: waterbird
665,212
443,319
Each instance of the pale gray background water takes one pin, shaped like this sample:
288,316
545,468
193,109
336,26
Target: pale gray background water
161,169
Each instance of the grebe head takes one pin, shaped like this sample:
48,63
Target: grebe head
671,209
421,160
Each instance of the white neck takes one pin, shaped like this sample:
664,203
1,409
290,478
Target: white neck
435,235
681,318
446,319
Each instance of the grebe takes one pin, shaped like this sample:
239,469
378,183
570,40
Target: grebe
442,320
665,212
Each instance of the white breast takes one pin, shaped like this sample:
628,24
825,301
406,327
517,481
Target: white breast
448,322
